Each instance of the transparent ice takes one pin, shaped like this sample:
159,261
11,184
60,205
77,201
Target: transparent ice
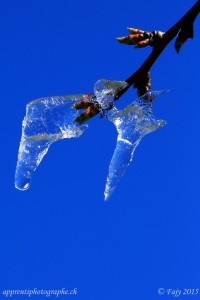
132,123
106,90
47,120
52,118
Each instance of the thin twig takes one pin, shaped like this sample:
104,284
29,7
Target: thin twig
138,76
142,73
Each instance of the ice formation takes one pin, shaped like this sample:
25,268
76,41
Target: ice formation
132,123
106,90
52,118
47,120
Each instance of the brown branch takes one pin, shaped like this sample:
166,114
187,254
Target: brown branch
140,79
140,74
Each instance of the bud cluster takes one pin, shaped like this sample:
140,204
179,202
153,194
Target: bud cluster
141,38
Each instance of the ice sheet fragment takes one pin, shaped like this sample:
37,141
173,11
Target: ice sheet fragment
132,124
47,120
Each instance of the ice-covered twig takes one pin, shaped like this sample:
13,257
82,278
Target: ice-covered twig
105,93
140,79
52,118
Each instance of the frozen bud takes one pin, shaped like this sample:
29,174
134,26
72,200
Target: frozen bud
82,104
89,113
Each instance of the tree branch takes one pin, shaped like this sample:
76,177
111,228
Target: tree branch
141,76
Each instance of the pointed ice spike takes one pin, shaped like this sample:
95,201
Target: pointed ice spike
47,120
132,123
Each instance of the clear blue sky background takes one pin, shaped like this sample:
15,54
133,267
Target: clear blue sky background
60,233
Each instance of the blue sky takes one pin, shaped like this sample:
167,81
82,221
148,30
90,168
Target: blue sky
60,233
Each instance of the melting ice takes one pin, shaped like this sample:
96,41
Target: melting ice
132,123
52,118
47,120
